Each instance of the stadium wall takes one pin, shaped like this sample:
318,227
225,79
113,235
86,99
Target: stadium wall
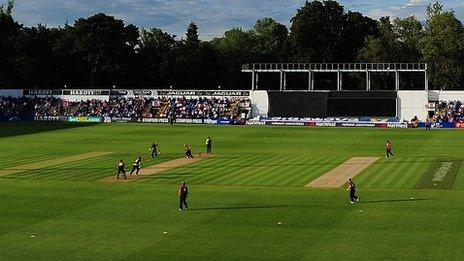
450,95
259,103
11,93
411,104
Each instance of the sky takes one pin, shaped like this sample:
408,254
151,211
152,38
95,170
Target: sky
213,17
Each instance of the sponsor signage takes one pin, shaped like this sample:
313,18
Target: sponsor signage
197,121
323,124
85,119
41,92
224,122
51,118
202,93
315,124
155,120
286,123
188,121
255,122
401,125
131,93
86,92
460,125
123,119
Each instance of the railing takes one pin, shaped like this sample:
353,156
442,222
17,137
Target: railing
353,67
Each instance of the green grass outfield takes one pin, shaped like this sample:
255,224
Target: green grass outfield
237,198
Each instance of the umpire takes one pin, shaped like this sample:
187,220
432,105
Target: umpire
209,144
183,193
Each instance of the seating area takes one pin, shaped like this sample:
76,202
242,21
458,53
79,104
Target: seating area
134,107
449,111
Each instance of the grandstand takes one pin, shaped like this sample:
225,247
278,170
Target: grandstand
310,107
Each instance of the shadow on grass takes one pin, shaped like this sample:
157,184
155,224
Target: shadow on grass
394,200
9,129
240,207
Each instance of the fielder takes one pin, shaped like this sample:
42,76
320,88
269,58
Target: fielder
183,193
352,188
388,147
154,149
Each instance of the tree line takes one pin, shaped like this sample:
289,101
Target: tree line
102,51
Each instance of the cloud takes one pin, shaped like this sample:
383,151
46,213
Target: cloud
212,16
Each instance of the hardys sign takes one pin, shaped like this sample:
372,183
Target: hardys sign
86,92
42,92
75,92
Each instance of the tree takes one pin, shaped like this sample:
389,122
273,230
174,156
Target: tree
443,47
106,44
236,47
38,57
398,41
8,9
157,57
323,32
316,32
358,27
272,40
10,49
192,41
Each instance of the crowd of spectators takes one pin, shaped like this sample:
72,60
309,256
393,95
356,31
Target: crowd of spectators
449,111
133,107
14,109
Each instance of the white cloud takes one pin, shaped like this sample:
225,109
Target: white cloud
213,16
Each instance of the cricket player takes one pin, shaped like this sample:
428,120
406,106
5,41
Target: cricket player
188,151
136,166
388,147
183,193
154,150
352,188
209,144
121,170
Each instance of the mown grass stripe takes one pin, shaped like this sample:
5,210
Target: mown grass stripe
412,172
51,162
365,177
384,169
220,178
246,170
280,173
302,170
197,170
66,169
20,159
249,173
267,173
199,173
321,167
215,172
415,175
396,175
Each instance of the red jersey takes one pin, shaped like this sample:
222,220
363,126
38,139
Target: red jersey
388,145
183,191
